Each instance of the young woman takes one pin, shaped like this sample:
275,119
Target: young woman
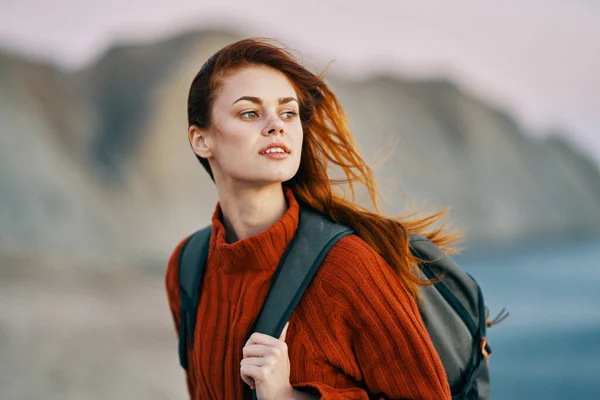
265,129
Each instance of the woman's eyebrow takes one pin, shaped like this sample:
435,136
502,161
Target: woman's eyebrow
281,100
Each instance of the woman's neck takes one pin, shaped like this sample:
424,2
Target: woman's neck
250,211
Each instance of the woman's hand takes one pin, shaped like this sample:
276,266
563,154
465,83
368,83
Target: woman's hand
266,366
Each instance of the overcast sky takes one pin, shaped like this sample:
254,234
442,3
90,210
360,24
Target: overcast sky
538,59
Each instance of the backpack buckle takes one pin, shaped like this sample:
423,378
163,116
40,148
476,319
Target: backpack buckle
484,348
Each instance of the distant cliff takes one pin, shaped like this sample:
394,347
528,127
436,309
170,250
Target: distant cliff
97,162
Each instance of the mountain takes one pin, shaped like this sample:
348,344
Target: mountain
96,162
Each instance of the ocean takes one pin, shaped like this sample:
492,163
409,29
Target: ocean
549,346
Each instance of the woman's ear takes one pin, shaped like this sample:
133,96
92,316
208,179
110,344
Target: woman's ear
200,141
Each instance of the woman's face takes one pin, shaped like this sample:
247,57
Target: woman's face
255,135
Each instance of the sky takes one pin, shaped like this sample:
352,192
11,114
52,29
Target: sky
537,59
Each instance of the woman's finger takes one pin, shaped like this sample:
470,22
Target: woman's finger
257,361
248,380
284,332
260,350
253,375
261,338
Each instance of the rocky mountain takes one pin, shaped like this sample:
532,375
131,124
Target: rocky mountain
50,199
96,162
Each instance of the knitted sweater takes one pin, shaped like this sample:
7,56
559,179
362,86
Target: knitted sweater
356,333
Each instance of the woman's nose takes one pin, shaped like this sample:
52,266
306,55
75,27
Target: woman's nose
274,126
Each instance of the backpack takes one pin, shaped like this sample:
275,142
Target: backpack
452,310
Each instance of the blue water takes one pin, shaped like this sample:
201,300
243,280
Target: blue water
549,347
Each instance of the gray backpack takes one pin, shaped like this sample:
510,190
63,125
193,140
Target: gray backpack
453,310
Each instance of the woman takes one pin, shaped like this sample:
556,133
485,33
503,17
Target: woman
265,129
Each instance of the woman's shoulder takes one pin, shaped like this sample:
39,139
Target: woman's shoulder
355,282
353,246
352,254
353,265
172,270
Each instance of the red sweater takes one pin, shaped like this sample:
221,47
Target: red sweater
356,333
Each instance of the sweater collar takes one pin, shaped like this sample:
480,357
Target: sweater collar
259,252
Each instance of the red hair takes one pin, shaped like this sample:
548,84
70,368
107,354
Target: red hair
327,139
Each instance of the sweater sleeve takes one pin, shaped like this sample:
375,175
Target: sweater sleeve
371,342
172,286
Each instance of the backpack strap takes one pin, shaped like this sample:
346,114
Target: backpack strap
192,262
314,237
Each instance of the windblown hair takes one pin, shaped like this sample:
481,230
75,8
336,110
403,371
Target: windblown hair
327,139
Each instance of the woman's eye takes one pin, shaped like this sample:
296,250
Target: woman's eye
289,114
249,115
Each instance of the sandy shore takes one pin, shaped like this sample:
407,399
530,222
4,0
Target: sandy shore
74,333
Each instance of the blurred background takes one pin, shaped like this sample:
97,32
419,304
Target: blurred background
491,108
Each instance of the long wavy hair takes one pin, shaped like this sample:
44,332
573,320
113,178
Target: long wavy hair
327,140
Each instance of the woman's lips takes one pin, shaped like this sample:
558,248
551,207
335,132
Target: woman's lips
275,150
274,153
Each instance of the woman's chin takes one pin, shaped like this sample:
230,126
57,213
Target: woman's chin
262,176
271,178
